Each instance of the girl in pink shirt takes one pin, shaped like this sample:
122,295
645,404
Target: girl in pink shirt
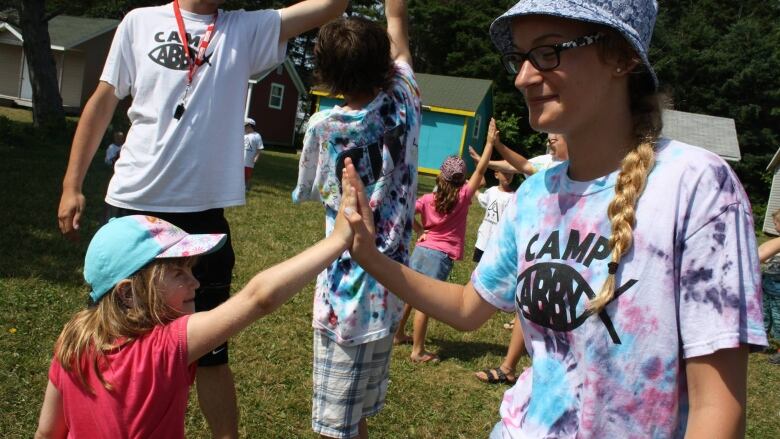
441,234
122,367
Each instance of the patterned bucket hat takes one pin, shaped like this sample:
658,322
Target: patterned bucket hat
453,169
125,245
634,19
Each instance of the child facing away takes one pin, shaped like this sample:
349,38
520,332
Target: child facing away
378,128
123,366
770,280
441,235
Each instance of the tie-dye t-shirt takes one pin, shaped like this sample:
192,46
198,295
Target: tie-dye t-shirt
689,286
350,306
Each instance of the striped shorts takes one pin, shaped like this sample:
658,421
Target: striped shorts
350,383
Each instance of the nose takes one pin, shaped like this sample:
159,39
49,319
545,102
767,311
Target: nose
194,281
527,75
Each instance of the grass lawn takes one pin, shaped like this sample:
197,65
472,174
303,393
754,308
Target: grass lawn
41,286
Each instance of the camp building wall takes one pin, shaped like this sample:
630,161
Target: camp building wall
773,203
10,69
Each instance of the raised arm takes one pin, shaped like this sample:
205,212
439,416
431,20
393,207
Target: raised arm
92,125
496,165
398,30
308,14
482,165
268,290
456,305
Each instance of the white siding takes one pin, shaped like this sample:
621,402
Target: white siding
772,204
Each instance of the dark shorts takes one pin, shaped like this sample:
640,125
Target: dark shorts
213,271
477,255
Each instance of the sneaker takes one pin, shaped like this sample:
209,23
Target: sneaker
775,359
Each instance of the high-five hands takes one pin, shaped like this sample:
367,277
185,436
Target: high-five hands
357,212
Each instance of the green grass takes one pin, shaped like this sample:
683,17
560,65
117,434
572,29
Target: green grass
41,286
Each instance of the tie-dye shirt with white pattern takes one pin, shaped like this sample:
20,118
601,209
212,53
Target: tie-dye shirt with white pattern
350,306
688,286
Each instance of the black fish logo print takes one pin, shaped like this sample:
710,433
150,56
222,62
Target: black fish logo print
172,56
550,292
369,160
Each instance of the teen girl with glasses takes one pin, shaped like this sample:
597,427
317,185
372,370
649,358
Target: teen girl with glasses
633,266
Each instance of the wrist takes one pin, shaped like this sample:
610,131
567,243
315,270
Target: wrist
71,187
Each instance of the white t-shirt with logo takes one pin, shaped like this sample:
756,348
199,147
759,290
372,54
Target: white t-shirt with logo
494,201
252,143
195,163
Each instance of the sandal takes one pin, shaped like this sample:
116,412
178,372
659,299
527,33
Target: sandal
496,376
509,326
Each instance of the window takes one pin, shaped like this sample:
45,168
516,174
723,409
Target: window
277,93
477,126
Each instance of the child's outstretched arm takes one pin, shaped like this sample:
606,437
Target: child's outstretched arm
516,160
269,289
456,305
496,165
308,14
398,30
482,165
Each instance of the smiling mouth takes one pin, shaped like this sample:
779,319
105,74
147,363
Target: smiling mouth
541,99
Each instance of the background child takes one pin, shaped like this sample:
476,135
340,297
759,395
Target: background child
113,150
494,200
378,127
123,366
770,280
442,234
253,146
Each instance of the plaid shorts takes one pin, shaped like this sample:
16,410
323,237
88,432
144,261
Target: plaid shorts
350,383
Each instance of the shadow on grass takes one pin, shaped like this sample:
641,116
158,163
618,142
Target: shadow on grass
465,350
30,187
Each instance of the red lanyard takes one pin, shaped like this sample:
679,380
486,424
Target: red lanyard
204,42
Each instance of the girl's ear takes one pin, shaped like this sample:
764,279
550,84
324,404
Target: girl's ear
125,291
624,67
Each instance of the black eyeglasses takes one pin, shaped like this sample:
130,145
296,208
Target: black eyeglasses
545,58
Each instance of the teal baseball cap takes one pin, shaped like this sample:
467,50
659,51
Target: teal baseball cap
125,245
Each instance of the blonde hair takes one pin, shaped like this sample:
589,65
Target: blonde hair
446,195
646,108
120,317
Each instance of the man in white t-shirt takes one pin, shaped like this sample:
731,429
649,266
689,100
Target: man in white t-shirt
253,145
186,64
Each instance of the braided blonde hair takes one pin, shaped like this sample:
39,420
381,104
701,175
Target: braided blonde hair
646,107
